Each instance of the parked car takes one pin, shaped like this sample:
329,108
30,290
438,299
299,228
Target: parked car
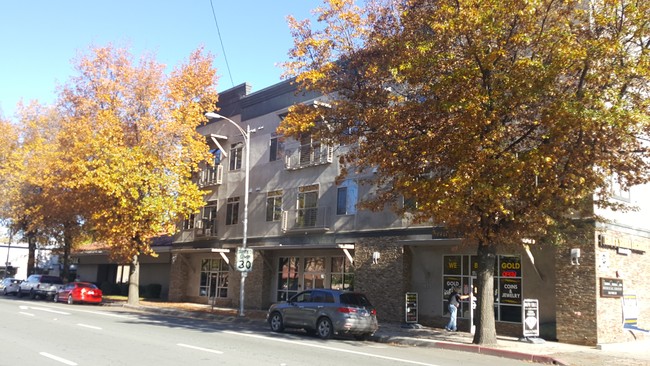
79,292
325,313
38,285
9,286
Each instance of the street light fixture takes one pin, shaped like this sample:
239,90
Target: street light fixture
247,142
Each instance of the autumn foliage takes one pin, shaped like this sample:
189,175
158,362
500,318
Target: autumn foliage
501,119
113,162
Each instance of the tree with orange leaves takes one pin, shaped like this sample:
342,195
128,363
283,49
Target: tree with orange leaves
501,119
130,133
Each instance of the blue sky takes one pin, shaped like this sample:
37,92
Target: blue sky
39,38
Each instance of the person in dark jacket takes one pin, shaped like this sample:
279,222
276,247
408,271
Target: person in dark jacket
454,304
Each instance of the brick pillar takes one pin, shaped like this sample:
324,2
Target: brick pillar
177,278
385,282
576,289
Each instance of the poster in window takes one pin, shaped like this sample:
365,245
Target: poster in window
510,291
453,264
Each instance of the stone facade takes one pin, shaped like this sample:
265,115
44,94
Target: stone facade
575,290
178,277
387,281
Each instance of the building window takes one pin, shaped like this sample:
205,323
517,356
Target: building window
274,206
212,171
287,277
276,149
314,272
307,206
209,219
188,224
236,153
460,271
341,274
617,190
346,198
232,211
214,278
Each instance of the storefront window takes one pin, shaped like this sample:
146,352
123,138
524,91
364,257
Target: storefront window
341,275
295,274
287,277
314,272
460,271
214,278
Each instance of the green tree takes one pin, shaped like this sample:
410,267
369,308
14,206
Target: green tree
499,118
130,131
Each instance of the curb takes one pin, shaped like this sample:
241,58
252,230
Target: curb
472,348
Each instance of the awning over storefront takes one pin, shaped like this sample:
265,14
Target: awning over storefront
346,248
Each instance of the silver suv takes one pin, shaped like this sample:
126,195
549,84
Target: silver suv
38,285
325,313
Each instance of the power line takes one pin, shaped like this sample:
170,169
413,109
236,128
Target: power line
221,41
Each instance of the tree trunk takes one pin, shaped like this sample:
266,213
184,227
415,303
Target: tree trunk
67,244
485,326
31,253
134,281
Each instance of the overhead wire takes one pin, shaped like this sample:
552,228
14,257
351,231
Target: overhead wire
223,49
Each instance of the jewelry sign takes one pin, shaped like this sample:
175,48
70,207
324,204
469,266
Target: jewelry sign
530,319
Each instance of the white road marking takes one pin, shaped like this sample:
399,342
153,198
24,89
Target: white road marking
106,313
200,348
89,326
57,358
24,313
49,310
274,339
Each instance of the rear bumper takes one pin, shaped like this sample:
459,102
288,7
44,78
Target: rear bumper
362,325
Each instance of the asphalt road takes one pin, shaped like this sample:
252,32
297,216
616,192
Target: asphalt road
36,332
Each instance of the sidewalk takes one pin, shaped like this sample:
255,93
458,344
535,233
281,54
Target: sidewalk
628,354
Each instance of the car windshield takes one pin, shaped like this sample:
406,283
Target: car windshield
86,285
355,299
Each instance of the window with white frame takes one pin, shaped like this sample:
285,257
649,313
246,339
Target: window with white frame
209,219
307,206
211,173
236,154
276,148
232,211
346,198
617,190
274,205
214,278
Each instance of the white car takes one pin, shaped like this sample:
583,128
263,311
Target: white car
9,286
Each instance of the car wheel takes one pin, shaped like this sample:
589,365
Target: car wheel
276,322
324,328
70,300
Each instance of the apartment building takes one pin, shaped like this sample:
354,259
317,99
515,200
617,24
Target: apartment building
306,232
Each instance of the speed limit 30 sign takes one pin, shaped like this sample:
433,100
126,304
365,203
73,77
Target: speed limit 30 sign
244,259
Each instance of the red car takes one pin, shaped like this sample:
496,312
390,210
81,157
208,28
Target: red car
79,292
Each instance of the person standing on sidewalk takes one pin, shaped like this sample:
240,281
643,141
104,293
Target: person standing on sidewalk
454,304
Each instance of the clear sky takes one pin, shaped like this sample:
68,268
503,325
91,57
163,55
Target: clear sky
39,38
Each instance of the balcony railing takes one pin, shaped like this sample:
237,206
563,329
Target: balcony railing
306,219
210,176
309,155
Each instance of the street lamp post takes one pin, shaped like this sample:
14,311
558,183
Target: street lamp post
247,143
